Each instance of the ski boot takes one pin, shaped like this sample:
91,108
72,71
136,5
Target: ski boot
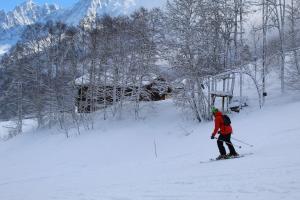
221,157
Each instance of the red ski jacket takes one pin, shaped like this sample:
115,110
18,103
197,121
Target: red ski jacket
219,124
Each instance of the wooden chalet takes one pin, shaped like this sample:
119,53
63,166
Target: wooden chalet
92,97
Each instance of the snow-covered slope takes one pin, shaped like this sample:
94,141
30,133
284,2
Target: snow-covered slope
117,160
3,49
90,9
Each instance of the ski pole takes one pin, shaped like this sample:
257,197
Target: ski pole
250,145
229,143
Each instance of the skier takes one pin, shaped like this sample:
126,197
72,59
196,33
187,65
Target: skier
225,132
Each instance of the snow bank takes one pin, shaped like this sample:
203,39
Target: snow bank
7,126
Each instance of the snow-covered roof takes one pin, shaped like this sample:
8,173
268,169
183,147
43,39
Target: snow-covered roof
85,79
221,93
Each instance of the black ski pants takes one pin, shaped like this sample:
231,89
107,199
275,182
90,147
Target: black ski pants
226,139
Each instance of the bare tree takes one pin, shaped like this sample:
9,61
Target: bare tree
201,36
294,17
293,10
278,17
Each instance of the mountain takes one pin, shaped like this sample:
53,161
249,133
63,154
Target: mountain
13,22
26,13
90,9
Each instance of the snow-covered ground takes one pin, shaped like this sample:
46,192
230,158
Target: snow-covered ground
116,161
4,48
7,127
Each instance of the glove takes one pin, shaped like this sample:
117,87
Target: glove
212,137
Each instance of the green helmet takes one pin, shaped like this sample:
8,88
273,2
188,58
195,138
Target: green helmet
214,110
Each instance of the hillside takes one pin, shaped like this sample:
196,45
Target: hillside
117,159
13,23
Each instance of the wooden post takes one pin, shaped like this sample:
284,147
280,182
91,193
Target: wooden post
224,84
216,84
213,97
241,89
232,84
223,104
228,90
209,97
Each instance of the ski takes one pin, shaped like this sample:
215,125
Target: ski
229,158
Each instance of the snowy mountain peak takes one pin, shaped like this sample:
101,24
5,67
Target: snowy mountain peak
12,23
28,4
25,14
90,9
